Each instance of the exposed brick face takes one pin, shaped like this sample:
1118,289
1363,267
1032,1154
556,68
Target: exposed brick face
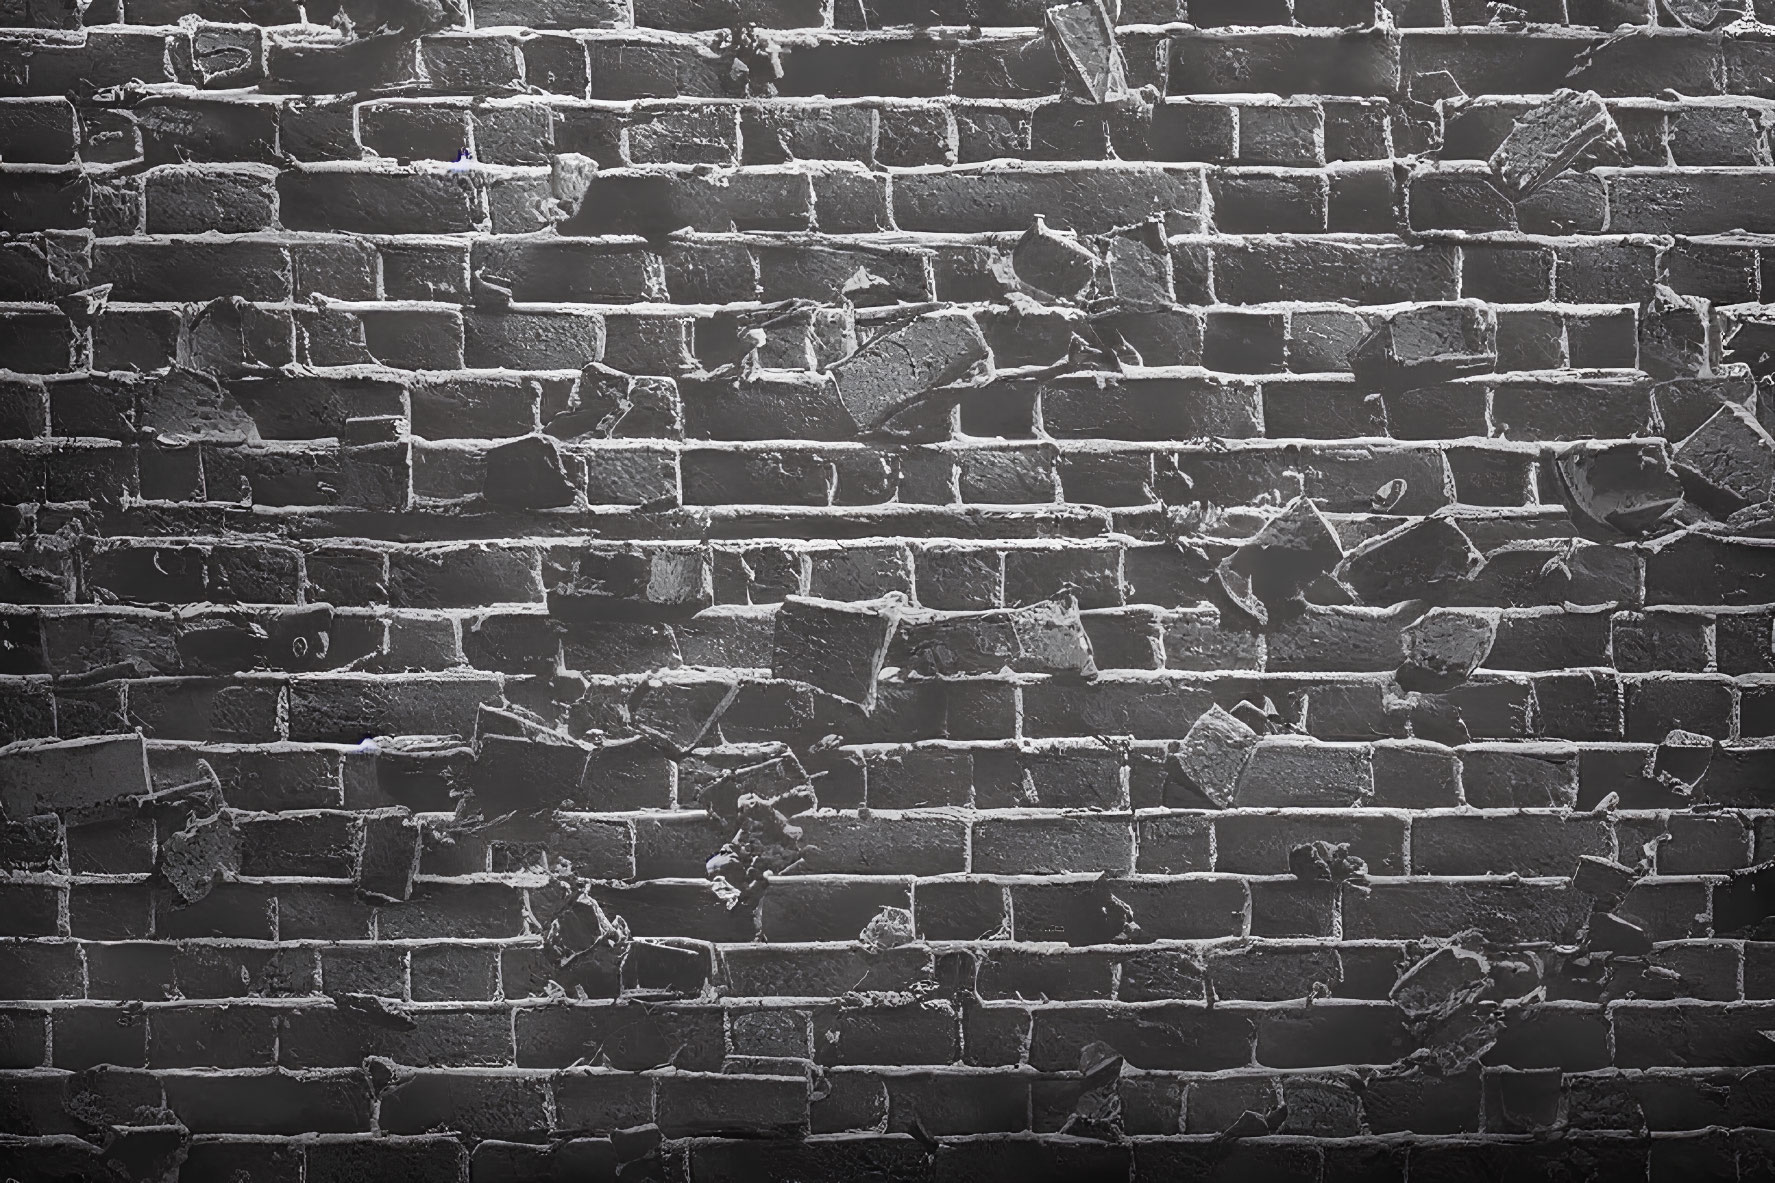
689,591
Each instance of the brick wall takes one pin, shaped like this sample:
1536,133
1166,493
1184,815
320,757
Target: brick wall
586,594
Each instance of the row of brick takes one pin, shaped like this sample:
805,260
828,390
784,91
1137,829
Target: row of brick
994,842
1740,1153
1576,705
434,337
441,337
761,487
1505,909
1048,1036
1339,1105
689,17
1136,638
1727,572
1581,705
1265,970
1093,197
895,774
628,65
1298,132
1363,270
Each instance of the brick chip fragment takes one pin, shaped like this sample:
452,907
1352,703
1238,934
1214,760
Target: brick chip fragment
832,646
903,366
1084,39
1616,491
194,858
1443,647
1214,755
1548,137
1729,461
1097,1111
888,929
1052,264
1270,571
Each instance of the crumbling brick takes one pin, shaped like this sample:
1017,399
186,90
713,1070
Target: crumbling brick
1548,138
902,366
1730,459
837,648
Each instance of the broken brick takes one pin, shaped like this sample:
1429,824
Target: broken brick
1703,15
144,1153
1084,40
1434,717
900,367
1680,760
1602,878
1618,490
1444,647
765,845
1281,560
834,647
1425,345
204,851
570,176
1609,933
1253,1123
513,775
658,967
1262,717
34,844
85,306
1053,264
1744,905
609,404
655,585
230,336
1729,461
1098,916
1136,275
1326,862
388,1013
185,404
1422,560
1440,984
719,793
586,946
1097,1111
529,473
1548,137
80,779
1043,638
679,713
1213,756
887,929
389,857
1673,335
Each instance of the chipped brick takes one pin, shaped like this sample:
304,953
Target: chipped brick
1214,755
903,366
834,647
1730,458
1547,138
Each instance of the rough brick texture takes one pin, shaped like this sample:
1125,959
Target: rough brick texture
917,590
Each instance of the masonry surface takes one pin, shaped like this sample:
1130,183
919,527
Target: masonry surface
902,590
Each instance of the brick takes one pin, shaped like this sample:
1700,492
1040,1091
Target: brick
1007,198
